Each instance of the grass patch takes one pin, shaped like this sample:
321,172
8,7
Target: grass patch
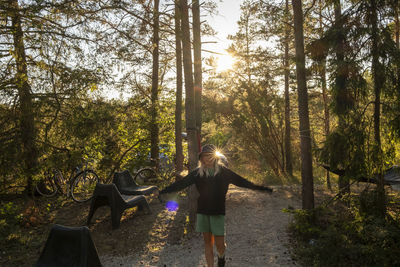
341,235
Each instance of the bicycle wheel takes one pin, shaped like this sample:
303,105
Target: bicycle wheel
47,187
83,185
146,176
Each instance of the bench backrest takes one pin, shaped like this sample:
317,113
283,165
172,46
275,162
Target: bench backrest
69,246
109,193
124,179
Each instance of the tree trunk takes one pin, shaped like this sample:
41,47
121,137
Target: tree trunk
305,137
189,105
288,145
324,93
378,82
154,129
189,88
178,107
326,113
27,119
397,24
198,82
341,85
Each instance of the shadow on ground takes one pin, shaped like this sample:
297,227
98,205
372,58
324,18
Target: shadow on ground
138,232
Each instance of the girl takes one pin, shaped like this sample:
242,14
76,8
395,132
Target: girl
212,180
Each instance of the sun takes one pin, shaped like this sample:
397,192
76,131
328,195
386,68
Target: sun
225,62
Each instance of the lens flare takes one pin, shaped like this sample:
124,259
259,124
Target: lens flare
218,154
221,157
172,205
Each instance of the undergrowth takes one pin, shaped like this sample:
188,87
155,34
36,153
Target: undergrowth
350,234
22,225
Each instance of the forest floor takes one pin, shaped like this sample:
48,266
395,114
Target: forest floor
256,232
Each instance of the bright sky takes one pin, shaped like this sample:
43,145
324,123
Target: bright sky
224,23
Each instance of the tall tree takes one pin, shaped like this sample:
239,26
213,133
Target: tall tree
397,22
66,69
154,129
378,82
190,109
178,103
342,104
49,66
26,114
198,80
288,145
304,128
322,74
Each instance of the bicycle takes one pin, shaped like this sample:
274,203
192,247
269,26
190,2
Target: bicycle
80,184
149,175
146,175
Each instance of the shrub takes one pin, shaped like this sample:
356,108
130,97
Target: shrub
342,236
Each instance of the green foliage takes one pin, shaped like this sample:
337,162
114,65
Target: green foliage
9,218
112,134
9,210
347,148
10,145
368,203
70,65
341,236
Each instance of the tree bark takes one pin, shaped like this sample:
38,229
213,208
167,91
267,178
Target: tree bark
341,84
397,24
288,145
154,129
305,137
324,93
326,113
27,118
189,105
198,81
189,88
378,78
178,107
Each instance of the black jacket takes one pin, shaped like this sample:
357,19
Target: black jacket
212,190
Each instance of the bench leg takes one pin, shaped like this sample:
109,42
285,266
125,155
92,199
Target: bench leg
116,218
144,205
159,196
92,210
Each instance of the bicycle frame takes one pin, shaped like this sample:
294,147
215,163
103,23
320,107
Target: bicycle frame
54,181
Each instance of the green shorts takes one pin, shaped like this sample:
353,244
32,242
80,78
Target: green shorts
214,224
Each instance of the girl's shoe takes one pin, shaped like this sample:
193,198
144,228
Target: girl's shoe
221,261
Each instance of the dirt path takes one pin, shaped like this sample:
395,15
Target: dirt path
255,229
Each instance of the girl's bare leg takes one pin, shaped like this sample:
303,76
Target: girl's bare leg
209,248
220,244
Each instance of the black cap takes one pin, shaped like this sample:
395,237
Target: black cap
207,149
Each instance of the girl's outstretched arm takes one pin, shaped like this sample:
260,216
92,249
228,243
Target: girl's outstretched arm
238,180
181,184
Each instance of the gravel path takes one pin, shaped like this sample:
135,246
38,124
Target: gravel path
255,232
